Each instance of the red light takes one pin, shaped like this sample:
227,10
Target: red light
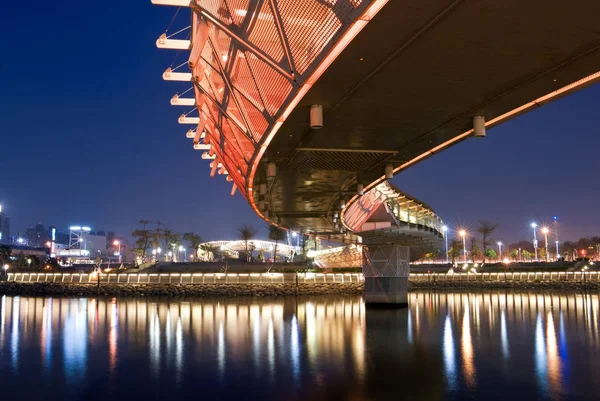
583,251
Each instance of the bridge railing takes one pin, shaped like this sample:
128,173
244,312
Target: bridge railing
287,278
188,278
508,276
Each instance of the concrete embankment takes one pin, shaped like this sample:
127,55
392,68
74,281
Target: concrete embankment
175,290
274,289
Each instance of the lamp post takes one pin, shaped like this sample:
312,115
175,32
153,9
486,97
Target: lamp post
117,243
462,233
445,230
545,232
28,262
500,250
556,235
535,245
181,248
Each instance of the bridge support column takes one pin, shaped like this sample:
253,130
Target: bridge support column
385,268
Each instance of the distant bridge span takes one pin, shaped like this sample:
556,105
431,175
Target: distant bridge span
397,82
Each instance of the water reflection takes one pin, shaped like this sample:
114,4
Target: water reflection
443,346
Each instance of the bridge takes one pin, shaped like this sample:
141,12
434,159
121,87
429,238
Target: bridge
308,107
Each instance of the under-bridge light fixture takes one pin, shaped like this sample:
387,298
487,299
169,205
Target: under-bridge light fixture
316,116
360,189
271,170
342,204
479,127
389,171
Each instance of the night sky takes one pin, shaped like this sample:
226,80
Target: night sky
88,137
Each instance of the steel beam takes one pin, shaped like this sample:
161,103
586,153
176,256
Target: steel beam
169,75
173,44
175,3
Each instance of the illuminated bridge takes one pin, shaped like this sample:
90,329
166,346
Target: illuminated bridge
307,106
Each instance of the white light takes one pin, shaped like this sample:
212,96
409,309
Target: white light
533,225
116,243
180,248
158,250
170,253
294,234
5,267
20,240
444,228
86,229
80,239
75,228
499,243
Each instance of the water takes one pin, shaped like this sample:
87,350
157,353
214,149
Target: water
445,346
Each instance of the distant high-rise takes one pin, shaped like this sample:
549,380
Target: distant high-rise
4,227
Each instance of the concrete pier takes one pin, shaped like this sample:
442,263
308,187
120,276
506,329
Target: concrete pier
385,268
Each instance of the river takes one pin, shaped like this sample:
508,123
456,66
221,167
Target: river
485,345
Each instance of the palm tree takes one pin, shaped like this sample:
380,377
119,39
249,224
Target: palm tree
485,229
247,232
276,234
143,237
454,250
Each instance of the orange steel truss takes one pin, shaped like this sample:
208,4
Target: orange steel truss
252,61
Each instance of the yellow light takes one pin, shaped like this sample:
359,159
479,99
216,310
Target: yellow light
545,230
116,243
462,233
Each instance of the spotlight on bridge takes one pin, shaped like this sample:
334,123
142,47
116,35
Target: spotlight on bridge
342,203
271,170
360,189
389,171
479,126
316,116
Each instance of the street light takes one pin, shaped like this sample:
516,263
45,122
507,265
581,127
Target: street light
181,248
445,230
28,262
535,245
462,233
545,232
499,250
556,235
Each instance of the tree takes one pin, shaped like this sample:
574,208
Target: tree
143,238
5,252
526,255
276,234
194,240
454,250
474,251
514,254
485,229
491,254
247,232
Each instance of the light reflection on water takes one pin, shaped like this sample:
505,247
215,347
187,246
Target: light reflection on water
443,346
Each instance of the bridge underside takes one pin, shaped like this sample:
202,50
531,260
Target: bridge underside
409,85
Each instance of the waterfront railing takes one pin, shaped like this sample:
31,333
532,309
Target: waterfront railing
188,278
287,278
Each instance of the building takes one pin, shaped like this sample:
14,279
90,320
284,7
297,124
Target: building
4,227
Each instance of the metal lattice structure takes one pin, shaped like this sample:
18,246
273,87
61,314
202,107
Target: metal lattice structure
257,245
386,261
250,62
339,257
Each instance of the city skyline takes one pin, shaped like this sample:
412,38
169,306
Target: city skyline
97,161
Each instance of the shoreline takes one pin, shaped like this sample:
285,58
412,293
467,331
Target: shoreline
275,289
